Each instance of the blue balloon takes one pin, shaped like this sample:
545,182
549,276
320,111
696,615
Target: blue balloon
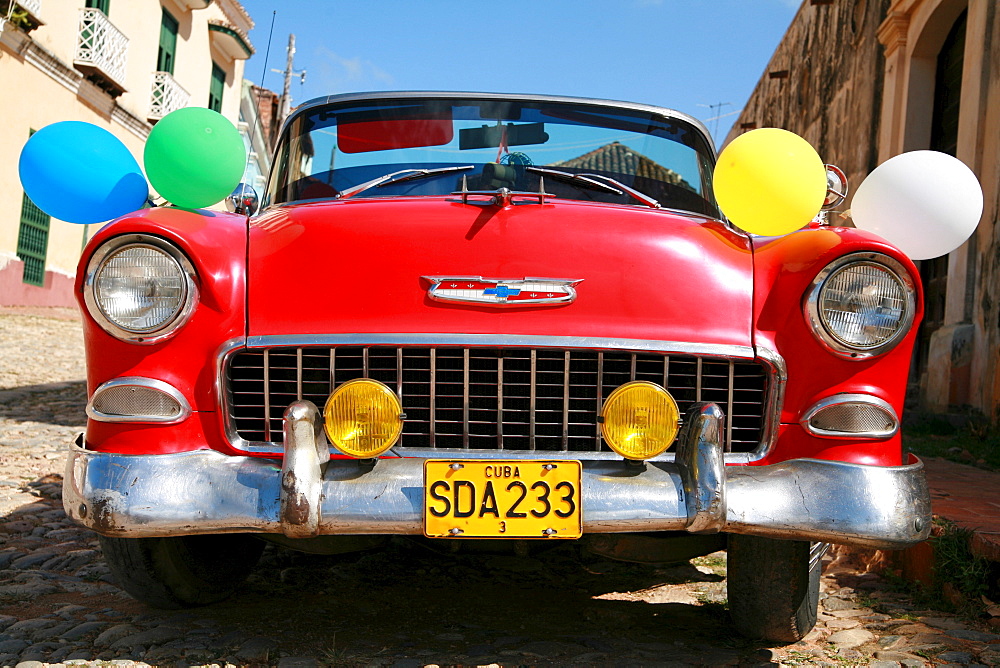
80,173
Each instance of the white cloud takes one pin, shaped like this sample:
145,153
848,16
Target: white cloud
338,74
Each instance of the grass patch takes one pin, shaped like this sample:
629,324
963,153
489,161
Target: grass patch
976,443
867,601
961,578
927,598
713,604
796,658
716,562
956,565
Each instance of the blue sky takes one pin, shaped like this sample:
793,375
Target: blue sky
683,54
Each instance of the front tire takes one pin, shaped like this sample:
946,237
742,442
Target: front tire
773,586
181,571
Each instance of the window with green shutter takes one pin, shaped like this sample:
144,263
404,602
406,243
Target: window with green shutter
89,29
215,89
168,44
33,241
99,4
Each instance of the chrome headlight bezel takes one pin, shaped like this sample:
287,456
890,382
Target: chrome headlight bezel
822,330
163,330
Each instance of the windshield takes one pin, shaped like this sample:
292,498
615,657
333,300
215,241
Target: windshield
356,148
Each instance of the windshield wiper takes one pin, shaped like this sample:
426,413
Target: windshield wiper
399,177
611,186
576,179
641,196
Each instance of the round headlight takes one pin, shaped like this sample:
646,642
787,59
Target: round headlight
861,305
139,291
363,418
639,420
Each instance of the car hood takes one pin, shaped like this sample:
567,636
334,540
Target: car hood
360,266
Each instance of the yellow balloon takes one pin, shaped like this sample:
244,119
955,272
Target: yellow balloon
770,182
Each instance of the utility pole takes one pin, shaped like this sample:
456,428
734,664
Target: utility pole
286,96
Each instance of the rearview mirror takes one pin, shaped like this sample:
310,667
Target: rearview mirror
243,200
490,136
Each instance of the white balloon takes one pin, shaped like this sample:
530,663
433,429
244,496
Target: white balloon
924,202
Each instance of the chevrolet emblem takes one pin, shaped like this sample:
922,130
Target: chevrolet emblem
502,291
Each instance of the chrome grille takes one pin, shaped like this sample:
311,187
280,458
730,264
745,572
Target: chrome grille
471,398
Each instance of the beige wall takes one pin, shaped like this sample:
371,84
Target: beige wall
65,239
139,20
38,69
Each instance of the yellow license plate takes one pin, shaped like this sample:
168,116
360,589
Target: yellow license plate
483,498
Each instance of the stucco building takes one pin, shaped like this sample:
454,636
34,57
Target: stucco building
258,125
118,64
865,80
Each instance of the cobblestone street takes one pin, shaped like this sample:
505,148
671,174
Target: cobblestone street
404,606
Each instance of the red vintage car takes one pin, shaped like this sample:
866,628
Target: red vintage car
493,317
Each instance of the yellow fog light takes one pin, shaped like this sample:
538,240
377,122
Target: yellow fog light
640,420
363,418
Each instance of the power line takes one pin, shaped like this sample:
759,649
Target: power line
715,108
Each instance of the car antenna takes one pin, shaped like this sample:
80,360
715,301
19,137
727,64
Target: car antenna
260,94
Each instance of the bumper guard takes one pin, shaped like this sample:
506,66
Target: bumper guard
308,494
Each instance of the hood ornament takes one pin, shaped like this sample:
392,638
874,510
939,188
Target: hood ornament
502,196
502,291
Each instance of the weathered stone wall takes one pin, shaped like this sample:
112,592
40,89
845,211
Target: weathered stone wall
985,380
824,82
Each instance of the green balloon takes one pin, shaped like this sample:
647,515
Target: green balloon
194,157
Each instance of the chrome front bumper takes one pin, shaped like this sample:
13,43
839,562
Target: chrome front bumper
307,494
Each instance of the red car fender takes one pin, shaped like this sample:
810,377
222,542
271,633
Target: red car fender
215,243
784,269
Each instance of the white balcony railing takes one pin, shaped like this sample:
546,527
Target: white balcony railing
33,6
102,48
167,96
25,14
